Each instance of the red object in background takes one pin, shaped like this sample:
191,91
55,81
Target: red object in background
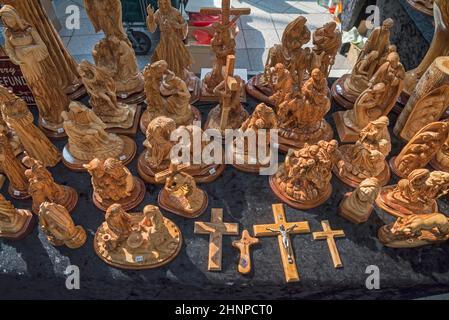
202,36
203,20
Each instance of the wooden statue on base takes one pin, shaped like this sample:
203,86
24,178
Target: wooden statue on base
428,102
301,119
421,149
180,194
357,206
16,113
167,95
327,41
14,170
263,119
416,194
347,89
304,180
25,48
114,183
142,240
367,157
171,48
415,231
59,228
88,139
15,224
230,113
283,85
223,45
118,117
43,187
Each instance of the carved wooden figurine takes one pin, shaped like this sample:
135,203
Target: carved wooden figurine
114,183
88,139
416,194
223,44
59,228
102,91
347,89
301,119
167,95
43,187
25,48
15,224
142,240
258,125
7,130
171,47
329,235
438,48
421,149
367,157
14,170
180,194
283,86
230,113
425,6
244,246
327,41
282,230
216,229
415,231
303,180
106,16
16,113
428,101
357,206
441,160
67,75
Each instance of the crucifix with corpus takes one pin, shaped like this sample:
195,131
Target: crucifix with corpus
223,44
216,229
282,230
329,235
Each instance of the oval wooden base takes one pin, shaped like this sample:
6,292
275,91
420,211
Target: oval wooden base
146,119
69,202
357,219
173,229
133,98
26,229
61,134
254,92
294,203
17,194
128,203
338,93
394,169
126,156
397,210
327,134
167,207
354,182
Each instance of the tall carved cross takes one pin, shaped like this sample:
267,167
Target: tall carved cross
329,235
283,229
226,12
231,86
216,229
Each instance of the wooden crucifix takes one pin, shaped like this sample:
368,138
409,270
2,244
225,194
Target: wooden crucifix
244,245
330,235
231,86
172,170
226,12
216,229
283,229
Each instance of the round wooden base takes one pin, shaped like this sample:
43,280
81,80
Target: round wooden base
126,156
354,181
338,92
397,210
57,135
136,265
146,119
69,202
350,216
18,194
26,229
255,92
296,204
420,8
128,203
168,207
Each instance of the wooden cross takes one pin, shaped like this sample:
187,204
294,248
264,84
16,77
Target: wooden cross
230,85
330,235
216,229
244,245
282,229
173,170
226,12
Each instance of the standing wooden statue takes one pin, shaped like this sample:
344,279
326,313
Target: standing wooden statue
327,41
15,224
171,48
67,74
25,48
106,16
15,111
223,44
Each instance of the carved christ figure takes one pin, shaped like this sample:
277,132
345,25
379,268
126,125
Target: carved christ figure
106,16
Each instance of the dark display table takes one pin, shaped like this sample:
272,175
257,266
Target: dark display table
31,268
